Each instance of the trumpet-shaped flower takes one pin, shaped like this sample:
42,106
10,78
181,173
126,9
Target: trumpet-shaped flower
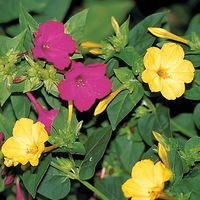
147,180
26,144
85,84
162,33
44,116
167,70
53,44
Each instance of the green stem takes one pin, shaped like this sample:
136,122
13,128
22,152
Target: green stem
92,188
148,103
75,176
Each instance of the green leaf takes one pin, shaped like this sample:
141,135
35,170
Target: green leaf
98,25
193,26
53,101
76,24
184,124
111,65
196,115
193,89
111,187
53,10
119,108
130,56
21,105
124,74
28,23
5,94
6,126
33,176
130,151
156,121
139,37
15,43
10,8
95,147
55,184
175,161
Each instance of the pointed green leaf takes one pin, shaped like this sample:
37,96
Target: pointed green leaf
27,23
21,105
119,108
139,37
32,177
76,24
55,184
95,147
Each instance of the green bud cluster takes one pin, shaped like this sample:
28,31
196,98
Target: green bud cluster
8,67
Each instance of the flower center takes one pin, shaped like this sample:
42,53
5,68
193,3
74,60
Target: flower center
32,149
163,74
45,47
79,81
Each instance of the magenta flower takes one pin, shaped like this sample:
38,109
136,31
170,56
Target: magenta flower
85,84
44,116
19,193
53,44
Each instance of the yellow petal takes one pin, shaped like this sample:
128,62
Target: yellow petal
171,89
163,154
152,58
23,130
172,54
152,78
184,71
162,33
131,189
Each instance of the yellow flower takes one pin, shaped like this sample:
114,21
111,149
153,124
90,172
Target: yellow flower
147,181
162,33
167,70
26,144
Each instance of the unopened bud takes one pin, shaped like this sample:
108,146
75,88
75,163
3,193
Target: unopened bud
19,79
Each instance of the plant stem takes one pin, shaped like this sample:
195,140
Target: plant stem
92,188
76,177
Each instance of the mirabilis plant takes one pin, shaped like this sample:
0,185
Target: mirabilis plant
99,116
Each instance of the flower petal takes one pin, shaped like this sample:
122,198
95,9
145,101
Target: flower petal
171,89
184,71
152,58
172,54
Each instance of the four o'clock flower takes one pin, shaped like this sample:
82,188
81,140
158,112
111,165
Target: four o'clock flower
85,84
44,116
53,44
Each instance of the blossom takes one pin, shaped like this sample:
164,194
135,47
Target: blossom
44,116
147,180
167,70
162,33
53,44
84,84
26,144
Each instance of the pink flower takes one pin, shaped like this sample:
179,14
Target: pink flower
85,84
53,44
44,116
19,193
